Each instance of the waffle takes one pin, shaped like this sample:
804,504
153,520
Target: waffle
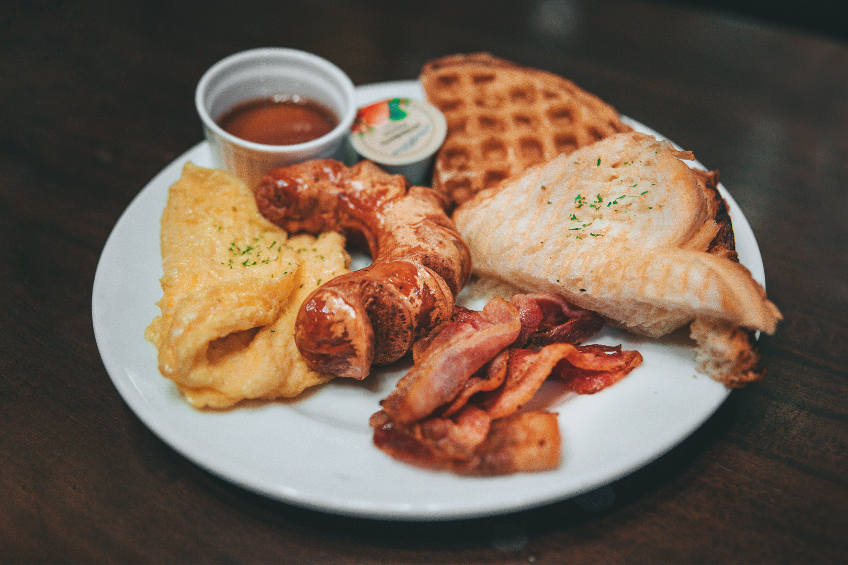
502,118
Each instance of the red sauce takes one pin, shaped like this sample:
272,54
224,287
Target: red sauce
279,120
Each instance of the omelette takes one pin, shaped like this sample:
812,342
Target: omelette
232,284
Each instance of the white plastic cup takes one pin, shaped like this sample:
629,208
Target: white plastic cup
262,73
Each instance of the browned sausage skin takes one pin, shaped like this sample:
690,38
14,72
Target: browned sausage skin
420,263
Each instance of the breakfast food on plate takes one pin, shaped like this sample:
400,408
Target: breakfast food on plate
503,117
232,284
374,315
458,408
551,193
625,228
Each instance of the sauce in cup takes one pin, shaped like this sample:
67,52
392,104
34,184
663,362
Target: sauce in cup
279,120
256,83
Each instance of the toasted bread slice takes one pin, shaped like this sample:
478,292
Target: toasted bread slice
503,117
625,228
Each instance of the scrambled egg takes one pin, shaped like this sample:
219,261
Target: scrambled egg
232,285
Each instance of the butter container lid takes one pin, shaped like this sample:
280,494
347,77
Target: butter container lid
400,134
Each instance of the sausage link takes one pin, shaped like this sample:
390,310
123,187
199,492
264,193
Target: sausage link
420,263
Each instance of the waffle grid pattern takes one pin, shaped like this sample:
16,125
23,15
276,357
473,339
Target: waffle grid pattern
503,118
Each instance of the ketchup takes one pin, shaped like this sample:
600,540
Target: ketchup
279,120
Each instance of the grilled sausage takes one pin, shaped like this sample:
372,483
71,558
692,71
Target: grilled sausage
420,263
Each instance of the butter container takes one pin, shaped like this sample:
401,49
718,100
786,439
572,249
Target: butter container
399,134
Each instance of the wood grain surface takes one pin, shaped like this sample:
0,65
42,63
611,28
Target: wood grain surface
96,97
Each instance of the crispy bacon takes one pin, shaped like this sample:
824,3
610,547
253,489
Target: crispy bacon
602,366
490,377
525,442
473,444
526,371
550,318
433,441
454,355
459,407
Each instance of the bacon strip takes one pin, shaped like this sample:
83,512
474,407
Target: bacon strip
490,377
473,444
550,318
459,407
586,370
526,442
457,352
602,366
526,372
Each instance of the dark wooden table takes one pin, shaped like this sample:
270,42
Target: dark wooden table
96,97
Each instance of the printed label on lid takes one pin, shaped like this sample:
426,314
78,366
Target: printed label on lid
398,131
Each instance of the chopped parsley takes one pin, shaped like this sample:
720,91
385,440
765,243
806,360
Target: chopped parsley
248,255
619,204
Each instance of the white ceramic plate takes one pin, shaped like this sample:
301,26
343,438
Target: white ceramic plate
316,452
